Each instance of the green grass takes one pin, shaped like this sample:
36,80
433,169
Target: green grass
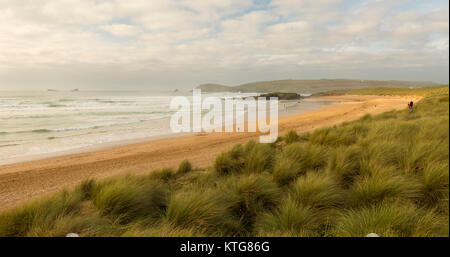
232,161
318,191
291,137
290,219
250,195
203,210
184,167
383,184
286,170
128,199
440,90
393,219
386,174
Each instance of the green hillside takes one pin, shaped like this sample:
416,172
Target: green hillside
432,90
311,86
215,88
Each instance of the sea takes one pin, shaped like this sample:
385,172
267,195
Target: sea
38,123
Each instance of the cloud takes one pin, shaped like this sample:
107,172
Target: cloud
121,30
225,41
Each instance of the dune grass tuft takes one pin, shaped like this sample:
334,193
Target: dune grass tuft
164,175
129,199
393,219
248,196
290,219
41,213
87,189
308,157
317,190
232,161
205,212
259,158
344,164
285,171
435,179
291,137
382,185
184,167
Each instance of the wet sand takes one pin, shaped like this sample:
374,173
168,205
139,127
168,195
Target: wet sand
20,182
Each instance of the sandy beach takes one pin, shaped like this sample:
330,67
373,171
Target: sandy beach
23,181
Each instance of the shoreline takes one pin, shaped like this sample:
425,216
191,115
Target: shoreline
20,182
293,109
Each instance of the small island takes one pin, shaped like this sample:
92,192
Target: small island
281,96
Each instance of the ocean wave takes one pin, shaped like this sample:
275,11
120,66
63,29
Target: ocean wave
37,131
113,113
8,145
111,101
48,130
57,105
44,130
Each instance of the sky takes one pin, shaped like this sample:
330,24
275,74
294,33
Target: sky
149,44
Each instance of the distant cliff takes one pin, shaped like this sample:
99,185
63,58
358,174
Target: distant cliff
311,86
216,88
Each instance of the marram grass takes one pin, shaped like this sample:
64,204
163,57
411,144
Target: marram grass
386,174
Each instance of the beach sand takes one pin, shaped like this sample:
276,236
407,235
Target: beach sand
23,181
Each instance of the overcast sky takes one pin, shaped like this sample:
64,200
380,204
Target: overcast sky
145,44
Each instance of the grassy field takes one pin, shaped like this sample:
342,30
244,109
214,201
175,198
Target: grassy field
386,174
429,91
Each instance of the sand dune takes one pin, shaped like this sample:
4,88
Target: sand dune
23,181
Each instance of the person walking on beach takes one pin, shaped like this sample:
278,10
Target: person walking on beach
410,105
